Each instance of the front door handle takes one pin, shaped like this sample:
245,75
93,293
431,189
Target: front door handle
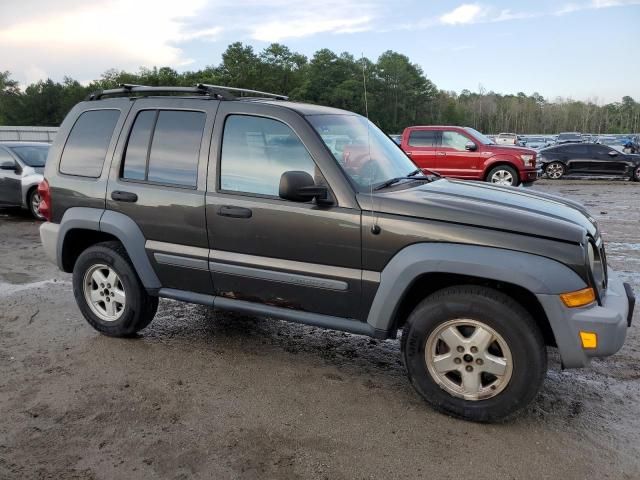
441,153
121,196
234,212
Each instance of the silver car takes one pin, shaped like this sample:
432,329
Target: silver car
21,170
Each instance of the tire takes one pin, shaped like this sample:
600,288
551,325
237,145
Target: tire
124,307
503,175
516,341
33,201
555,170
636,174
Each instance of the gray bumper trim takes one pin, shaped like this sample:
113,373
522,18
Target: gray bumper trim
608,321
49,236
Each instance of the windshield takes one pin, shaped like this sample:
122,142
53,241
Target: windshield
479,136
32,155
569,136
366,154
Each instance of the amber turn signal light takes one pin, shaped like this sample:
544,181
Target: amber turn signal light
578,298
589,339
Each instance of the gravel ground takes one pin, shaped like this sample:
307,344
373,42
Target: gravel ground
202,394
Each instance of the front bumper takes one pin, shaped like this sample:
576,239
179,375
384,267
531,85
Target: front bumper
608,321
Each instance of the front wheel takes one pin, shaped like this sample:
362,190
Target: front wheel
109,293
554,170
503,175
636,174
474,353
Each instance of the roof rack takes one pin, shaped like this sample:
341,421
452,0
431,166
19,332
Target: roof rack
217,91
220,88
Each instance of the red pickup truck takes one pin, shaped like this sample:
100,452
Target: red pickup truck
463,152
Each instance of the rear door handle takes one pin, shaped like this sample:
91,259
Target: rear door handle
235,212
121,196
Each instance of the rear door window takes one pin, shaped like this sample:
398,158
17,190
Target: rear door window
87,144
423,138
164,147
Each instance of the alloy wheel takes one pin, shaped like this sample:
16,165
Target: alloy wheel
502,177
468,359
554,171
104,292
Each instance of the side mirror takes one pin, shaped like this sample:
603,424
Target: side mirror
613,153
8,165
299,186
470,146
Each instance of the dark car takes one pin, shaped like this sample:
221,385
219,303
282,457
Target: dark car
569,137
21,168
463,152
247,205
588,159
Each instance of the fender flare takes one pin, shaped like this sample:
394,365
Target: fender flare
537,274
120,226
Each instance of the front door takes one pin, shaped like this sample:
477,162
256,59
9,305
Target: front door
10,179
264,249
158,179
455,160
607,161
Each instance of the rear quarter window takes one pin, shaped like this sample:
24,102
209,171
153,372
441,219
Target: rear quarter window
86,147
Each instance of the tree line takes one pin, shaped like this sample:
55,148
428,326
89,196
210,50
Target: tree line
398,93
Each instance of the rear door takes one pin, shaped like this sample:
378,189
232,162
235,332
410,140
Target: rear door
10,179
158,178
422,147
454,160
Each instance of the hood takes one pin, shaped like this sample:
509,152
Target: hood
485,205
511,149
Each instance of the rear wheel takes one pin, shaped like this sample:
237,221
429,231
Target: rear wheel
503,175
109,292
474,353
554,170
33,201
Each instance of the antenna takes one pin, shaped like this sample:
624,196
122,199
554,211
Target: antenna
375,228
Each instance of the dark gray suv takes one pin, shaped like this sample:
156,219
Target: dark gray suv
313,215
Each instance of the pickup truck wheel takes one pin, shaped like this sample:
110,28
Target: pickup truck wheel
554,170
503,175
474,353
109,292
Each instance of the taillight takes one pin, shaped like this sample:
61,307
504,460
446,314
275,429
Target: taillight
45,200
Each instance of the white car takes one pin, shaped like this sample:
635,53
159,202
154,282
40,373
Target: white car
507,139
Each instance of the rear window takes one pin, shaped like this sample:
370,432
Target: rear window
423,138
87,144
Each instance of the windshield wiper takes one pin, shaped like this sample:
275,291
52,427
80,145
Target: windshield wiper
391,181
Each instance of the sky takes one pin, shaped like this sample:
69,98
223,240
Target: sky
581,49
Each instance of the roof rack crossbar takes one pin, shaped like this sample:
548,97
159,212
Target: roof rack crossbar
219,88
127,88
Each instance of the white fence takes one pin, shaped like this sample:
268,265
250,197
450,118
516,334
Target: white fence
28,134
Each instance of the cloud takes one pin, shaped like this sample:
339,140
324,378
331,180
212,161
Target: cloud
464,14
594,4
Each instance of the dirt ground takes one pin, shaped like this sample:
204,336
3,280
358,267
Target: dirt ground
202,394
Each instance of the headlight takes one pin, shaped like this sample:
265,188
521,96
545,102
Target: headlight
530,159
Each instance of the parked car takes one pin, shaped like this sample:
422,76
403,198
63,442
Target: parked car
507,139
21,168
614,142
239,204
588,159
462,152
536,142
569,137
396,138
